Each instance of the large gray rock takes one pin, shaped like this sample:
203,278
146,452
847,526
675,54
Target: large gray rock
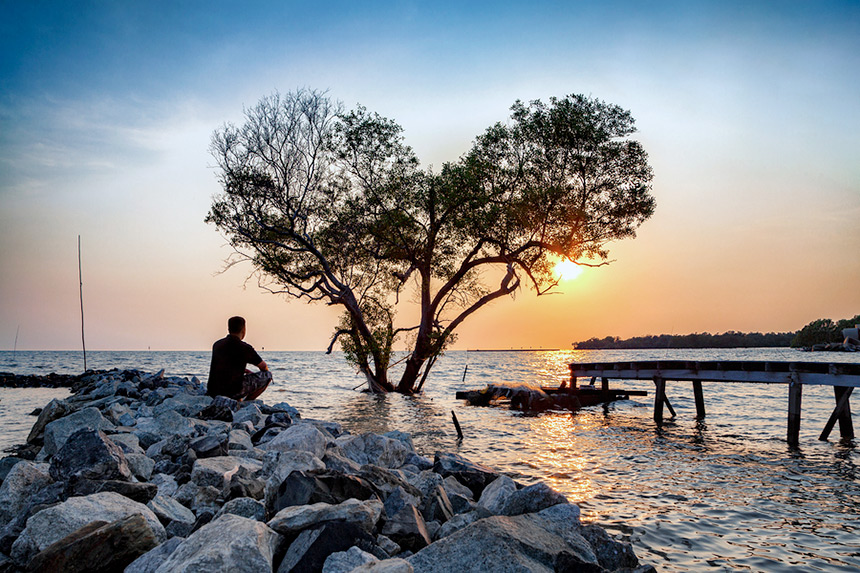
141,465
54,523
532,499
345,561
23,480
279,465
55,410
291,520
98,547
229,543
244,507
407,528
472,475
500,544
167,509
152,560
303,437
374,449
395,565
218,471
495,496
58,431
611,554
89,454
186,405
311,548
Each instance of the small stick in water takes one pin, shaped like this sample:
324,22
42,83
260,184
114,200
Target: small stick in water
464,373
457,425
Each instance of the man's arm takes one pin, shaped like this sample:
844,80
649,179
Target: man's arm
263,366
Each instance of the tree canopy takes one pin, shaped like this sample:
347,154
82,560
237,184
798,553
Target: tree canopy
331,205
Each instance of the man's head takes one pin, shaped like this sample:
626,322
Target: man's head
236,325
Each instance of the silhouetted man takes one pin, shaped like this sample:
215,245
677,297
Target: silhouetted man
227,373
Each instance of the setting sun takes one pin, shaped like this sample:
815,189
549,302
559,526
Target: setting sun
567,270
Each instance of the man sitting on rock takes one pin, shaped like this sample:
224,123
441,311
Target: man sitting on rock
227,373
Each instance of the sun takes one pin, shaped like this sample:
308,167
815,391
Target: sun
567,270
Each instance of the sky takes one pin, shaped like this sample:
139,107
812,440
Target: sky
749,110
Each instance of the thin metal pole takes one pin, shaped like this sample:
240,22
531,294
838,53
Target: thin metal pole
15,348
81,282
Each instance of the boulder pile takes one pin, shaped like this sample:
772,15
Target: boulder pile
141,473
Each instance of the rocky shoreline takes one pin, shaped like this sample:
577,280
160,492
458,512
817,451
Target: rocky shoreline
141,473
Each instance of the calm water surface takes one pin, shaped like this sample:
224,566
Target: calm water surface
724,494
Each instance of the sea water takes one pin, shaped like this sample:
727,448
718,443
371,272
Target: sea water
726,493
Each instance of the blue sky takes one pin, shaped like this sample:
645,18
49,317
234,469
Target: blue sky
750,112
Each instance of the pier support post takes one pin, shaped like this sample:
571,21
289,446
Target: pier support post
795,393
700,399
660,399
842,412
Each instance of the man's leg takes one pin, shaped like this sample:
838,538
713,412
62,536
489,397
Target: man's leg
255,384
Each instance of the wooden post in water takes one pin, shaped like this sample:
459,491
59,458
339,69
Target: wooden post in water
700,399
842,412
659,399
795,393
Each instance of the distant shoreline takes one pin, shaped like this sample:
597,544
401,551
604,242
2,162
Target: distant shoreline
513,350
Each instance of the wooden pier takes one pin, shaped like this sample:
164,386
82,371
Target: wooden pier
844,377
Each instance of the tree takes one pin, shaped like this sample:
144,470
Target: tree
331,205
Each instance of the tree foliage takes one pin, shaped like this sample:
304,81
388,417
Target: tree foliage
331,205
822,331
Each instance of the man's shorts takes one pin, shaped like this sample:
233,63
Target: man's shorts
253,382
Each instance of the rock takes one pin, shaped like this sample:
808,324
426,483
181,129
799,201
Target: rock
304,488
452,486
611,554
229,543
244,507
21,482
532,499
472,475
387,481
284,407
374,449
388,545
398,499
345,561
151,560
385,566
241,486
54,523
209,446
502,545
89,454
335,460
184,404
221,408
166,484
460,521
304,437
239,440
137,491
437,506
291,520
309,551
167,509
496,494
55,410
218,471
420,462
98,547
58,431
128,443
407,528
140,465
6,465
249,412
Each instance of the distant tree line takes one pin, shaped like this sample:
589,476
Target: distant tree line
729,339
819,331
822,331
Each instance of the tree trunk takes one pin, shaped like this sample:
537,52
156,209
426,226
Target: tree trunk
410,376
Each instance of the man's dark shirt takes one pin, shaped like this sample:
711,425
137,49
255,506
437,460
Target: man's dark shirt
230,355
